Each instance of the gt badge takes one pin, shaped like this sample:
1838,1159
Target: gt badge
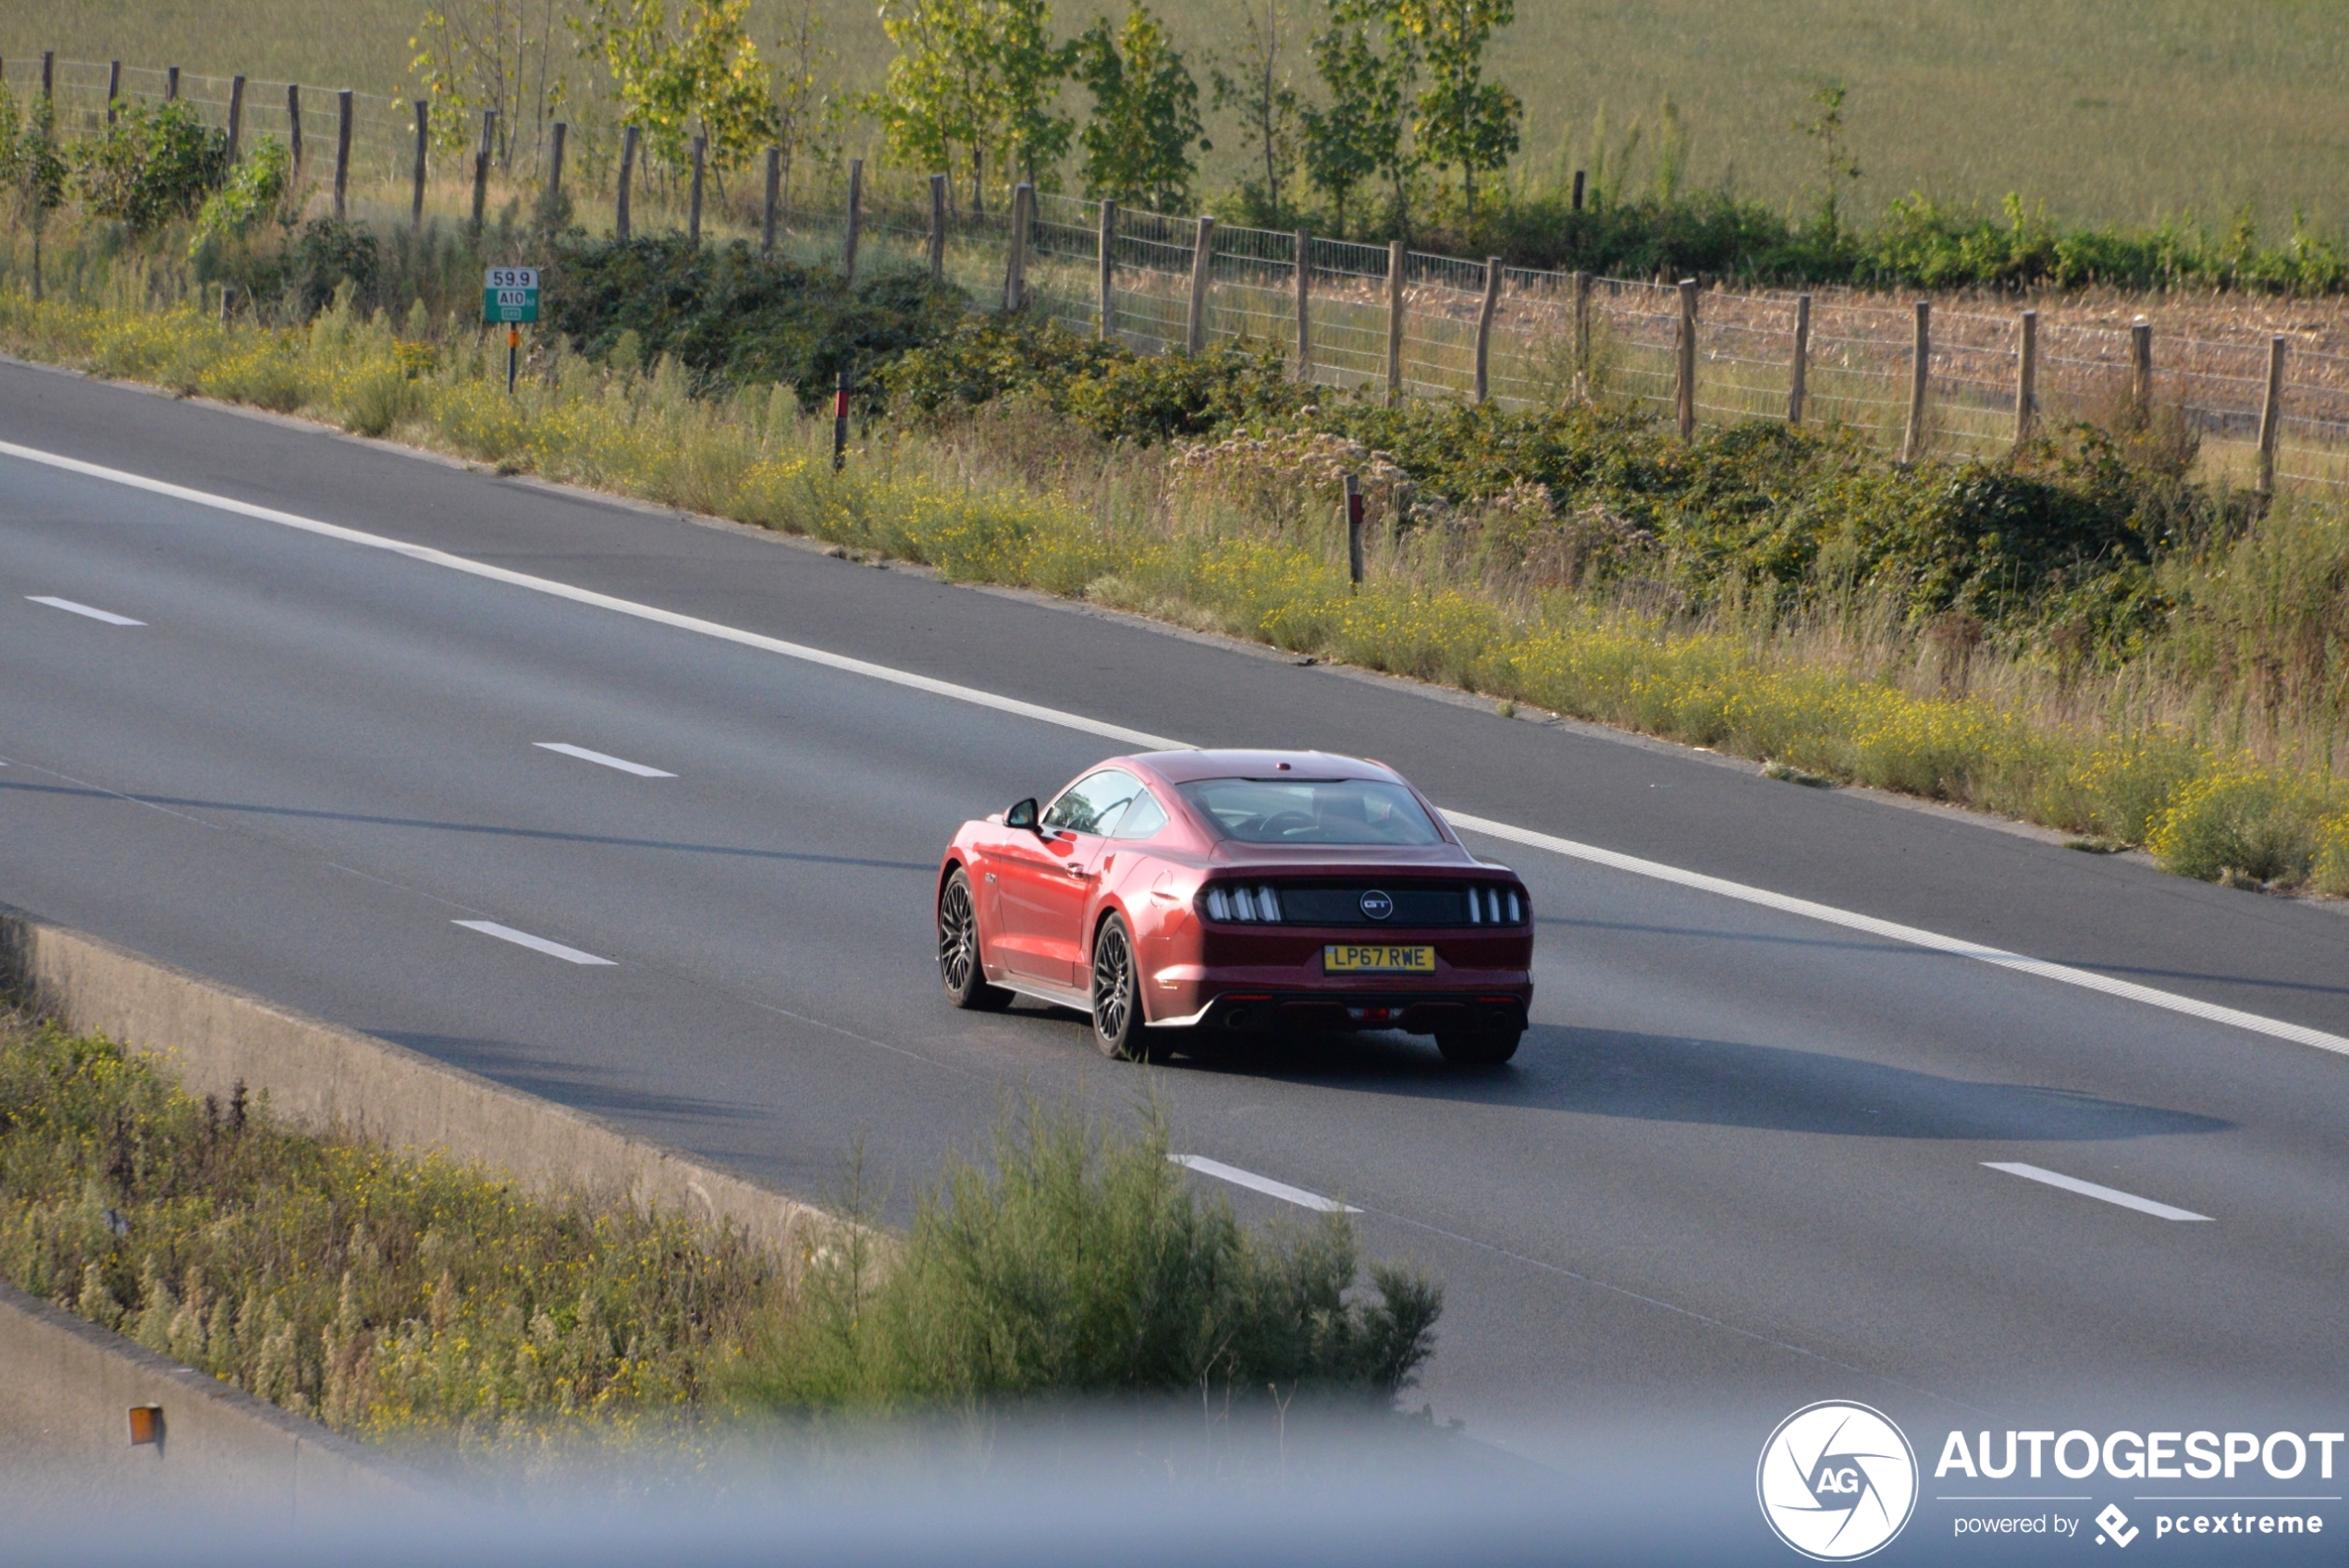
1377,905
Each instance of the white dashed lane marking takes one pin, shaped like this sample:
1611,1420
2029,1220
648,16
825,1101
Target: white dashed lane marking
536,944
1264,1184
2090,1190
602,759
70,608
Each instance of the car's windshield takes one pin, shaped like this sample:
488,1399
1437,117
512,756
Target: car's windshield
1312,811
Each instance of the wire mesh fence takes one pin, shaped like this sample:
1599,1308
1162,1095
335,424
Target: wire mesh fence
1403,322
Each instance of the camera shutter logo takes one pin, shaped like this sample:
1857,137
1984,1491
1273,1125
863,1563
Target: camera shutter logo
1837,1481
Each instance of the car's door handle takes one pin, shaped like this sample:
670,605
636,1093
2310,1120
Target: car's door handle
1077,871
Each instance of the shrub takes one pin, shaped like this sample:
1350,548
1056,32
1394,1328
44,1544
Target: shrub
2238,824
154,163
1086,1265
733,317
330,256
254,191
375,1291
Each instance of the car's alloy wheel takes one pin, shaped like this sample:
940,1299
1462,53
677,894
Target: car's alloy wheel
1118,994
1477,1048
959,968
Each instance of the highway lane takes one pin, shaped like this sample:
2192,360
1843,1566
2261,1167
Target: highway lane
1738,1165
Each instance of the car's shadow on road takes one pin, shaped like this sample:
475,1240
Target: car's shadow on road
1717,1082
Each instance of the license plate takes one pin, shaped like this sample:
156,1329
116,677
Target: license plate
1353,958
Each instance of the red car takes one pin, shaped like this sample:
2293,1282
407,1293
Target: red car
1194,893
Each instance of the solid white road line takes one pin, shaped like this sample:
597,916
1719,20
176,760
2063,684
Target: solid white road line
536,944
1264,1184
72,609
1889,930
2086,979
584,754
2090,1190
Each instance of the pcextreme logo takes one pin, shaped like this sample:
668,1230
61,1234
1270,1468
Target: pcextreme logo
1837,1481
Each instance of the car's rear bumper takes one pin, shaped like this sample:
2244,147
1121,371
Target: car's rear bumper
1414,1012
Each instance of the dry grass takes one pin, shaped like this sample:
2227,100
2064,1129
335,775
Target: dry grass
2109,114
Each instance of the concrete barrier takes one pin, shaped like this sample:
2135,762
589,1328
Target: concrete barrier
325,1078
66,1390
66,1387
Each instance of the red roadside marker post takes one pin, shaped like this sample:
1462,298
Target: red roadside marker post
840,422
1354,527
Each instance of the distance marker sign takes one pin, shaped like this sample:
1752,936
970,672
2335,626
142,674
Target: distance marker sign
510,294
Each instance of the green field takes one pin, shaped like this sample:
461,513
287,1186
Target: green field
2108,110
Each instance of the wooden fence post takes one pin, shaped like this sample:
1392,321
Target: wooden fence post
1304,306
2141,372
423,139
855,219
692,199
1684,380
1354,528
114,87
627,170
293,126
1396,258
938,231
774,199
1203,266
49,73
343,109
1798,389
1919,367
1016,259
551,202
1484,328
1106,256
236,116
2026,378
171,84
1578,190
2271,417
1582,331
481,166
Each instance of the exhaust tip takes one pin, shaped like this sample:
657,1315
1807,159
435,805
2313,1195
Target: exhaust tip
1237,1019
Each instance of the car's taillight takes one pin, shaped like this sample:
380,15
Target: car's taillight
1495,906
1247,905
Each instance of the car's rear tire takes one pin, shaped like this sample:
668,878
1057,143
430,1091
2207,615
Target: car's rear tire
1477,1048
1118,1029
960,968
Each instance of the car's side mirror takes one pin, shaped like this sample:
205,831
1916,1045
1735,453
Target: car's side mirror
1023,816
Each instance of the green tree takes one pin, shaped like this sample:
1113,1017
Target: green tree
156,162
1028,70
1838,168
699,70
1460,121
1358,134
977,76
806,117
1138,143
1259,90
33,169
484,54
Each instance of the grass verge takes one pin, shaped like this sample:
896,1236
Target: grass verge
2217,779
396,1298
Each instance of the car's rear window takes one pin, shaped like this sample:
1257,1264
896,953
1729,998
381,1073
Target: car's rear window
1312,811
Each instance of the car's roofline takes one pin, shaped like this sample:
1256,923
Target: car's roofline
1190,766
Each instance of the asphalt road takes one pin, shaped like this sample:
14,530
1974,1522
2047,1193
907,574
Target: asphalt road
1741,1164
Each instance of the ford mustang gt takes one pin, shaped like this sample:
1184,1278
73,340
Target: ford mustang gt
1231,893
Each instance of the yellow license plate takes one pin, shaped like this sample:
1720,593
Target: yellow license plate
1351,957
